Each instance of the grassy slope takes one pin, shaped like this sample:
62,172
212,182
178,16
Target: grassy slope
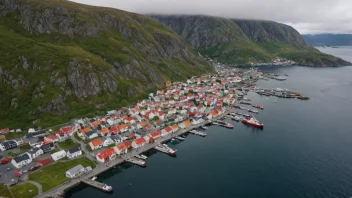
54,175
4,192
68,144
109,46
25,190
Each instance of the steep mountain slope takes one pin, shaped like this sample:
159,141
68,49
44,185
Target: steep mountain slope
238,41
62,59
328,39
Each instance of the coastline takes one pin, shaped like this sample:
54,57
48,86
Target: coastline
101,168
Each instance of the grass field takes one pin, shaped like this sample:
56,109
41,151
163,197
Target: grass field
54,175
24,190
69,143
4,192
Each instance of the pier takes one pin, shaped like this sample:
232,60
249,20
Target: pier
95,184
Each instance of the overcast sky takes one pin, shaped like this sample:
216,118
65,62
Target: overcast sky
307,16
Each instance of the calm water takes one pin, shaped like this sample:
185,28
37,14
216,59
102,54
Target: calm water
304,150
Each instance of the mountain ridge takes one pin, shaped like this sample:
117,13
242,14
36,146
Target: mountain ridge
249,41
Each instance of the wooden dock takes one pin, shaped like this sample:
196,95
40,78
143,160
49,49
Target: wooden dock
93,183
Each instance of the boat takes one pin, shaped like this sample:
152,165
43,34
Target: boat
204,127
253,111
275,100
247,99
94,178
141,157
137,162
165,149
257,106
180,138
253,122
303,97
245,103
107,188
236,118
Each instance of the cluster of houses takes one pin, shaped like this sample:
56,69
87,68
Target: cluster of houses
164,112
178,107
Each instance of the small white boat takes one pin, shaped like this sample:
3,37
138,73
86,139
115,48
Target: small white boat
204,127
141,157
94,178
180,138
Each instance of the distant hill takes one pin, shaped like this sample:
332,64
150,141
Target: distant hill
238,41
61,59
328,39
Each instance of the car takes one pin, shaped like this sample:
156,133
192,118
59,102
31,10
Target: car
24,171
9,169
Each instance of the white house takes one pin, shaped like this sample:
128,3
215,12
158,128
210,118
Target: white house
7,145
21,160
122,148
116,138
197,120
74,152
35,152
75,171
58,155
107,141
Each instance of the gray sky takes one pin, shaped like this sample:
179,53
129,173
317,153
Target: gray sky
307,16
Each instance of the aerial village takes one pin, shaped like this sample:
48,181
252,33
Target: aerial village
91,145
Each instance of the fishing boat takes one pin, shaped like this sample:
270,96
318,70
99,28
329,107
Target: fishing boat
236,118
107,188
165,149
204,127
303,97
253,122
143,157
257,106
180,138
253,111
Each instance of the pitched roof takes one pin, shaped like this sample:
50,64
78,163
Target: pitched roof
106,153
85,130
104,130
187,123
74,150
97,142
140,141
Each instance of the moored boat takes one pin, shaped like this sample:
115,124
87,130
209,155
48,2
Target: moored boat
257,106
107,188
252,122
180,138
253,111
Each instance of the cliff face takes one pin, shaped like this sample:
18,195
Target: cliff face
68,59
237,41
269,31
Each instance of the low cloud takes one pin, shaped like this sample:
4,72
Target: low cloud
307,16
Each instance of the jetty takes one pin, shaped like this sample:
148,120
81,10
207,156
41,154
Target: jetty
97,185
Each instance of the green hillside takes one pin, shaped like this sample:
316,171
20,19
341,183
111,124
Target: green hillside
62,60
236,41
